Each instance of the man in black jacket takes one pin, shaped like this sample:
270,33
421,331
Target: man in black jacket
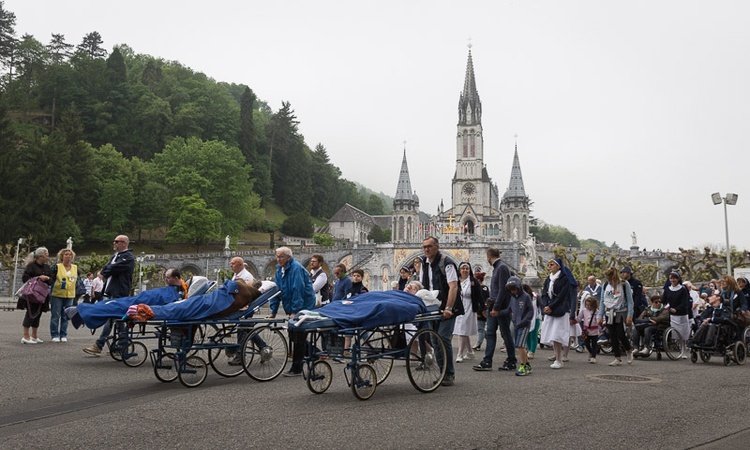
498,317
639,298
118,278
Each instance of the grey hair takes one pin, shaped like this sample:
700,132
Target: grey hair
284,251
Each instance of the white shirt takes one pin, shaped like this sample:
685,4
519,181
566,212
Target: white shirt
320,281
244,275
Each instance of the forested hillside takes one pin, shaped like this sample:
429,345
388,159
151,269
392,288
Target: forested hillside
96,141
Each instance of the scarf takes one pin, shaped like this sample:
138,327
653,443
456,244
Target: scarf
552,278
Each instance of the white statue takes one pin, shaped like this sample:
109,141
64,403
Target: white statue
515,233
70,243
529,245
635,239
226,243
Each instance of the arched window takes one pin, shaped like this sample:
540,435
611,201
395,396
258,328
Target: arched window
466,146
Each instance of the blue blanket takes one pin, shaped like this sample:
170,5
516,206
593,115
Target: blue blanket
371,309
198,307
95,315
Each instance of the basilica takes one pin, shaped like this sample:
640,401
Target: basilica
478,212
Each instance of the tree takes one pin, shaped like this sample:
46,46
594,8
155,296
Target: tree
214,171
374,205
299,225
323,175
324,240
379,235
58,49
290,163
91,45
7,34
247,126
194,222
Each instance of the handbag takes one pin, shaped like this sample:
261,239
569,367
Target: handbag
34,291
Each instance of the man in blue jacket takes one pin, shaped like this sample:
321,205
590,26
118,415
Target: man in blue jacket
343,283
296,294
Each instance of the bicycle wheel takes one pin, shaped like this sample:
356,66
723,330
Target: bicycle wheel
164,368
672,343
426,369
364,381
320,376
375,344
264,354
226,366
193,371
134,354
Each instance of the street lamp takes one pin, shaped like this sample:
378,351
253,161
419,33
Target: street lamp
15,264
730,199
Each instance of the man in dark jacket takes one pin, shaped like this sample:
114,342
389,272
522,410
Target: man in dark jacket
639,298
498,317
118,278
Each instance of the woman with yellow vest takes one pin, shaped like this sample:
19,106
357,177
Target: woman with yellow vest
64,275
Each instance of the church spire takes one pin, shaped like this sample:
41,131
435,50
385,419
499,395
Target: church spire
515,187
403,190
469,105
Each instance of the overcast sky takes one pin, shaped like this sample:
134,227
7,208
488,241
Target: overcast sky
628,114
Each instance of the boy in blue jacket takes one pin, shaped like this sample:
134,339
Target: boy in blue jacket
521,311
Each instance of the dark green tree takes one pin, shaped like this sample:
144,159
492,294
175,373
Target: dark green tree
374,205
7,34
91,45
59,50
323,176
247,126
298,225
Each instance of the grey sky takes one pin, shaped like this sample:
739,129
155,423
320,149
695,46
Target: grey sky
628,114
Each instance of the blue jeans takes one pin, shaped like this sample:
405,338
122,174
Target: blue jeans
444,329
490,335
107,329
481,325
58,322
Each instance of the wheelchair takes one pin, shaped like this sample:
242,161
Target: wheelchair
725,345
666,340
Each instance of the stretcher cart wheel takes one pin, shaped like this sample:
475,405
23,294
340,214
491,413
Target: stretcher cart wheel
727,360
705,356
377,343
164,368
116,346
426,362
320,376
224,352
364,381
193,371
134,354
264,354
693,356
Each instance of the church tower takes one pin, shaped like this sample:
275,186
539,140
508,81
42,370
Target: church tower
405,221
475,198
515,205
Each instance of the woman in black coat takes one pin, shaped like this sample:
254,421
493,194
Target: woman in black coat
36,267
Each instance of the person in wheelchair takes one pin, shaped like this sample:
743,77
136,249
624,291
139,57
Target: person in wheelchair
714,324
652,320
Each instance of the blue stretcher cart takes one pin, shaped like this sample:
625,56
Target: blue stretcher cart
378,338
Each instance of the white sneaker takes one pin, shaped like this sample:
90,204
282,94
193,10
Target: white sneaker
556,365
629,358
63,339
616,362
56,340
28,341
37,340
531,355
592,360
460,358
683,356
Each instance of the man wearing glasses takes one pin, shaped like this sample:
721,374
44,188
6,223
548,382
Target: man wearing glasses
296,294
118,278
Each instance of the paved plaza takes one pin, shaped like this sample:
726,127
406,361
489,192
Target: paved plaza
55,395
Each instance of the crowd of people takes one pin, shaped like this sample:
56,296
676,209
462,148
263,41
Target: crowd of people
563,315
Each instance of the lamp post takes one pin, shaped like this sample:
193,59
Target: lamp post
15,264
729,199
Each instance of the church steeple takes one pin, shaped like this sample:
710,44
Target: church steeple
469,105
403,190
515,187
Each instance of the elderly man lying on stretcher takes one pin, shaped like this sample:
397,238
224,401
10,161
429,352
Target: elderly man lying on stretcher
163,303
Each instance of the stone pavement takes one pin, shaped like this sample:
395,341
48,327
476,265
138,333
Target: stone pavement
55,395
